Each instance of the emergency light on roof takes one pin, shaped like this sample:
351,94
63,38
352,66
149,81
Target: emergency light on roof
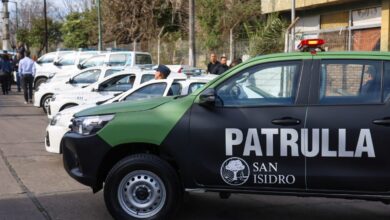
311,45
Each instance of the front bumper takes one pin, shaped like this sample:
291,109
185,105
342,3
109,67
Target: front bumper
37,98
53,138
82,156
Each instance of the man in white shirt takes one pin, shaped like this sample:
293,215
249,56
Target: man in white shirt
27,73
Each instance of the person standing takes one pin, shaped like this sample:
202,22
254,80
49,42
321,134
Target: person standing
7,69
213,63
27,73
222,67
21,50
3,79
16,60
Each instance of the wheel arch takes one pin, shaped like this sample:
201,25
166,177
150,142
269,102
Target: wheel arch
119,152
43,97
68,104
38,78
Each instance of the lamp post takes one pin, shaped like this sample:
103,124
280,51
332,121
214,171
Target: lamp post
46,31
100,43
16,14
6,43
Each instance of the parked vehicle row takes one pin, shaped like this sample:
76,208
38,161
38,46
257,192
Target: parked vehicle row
65,63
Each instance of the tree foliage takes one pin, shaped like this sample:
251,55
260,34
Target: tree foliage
126,21
266,36
79,29
217,17
35,37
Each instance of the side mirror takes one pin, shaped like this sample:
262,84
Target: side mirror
71,81
56,63
79,66
207,98
38,62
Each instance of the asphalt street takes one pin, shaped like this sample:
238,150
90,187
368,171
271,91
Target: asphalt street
34,185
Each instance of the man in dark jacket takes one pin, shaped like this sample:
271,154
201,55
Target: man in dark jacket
221,68
213,63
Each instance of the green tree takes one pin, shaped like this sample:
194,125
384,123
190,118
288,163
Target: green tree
79,29
217,17
266,35
35,37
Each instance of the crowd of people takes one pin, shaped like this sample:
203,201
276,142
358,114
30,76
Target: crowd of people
24,68
219,67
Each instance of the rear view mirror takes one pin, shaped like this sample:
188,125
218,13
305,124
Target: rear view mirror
207,98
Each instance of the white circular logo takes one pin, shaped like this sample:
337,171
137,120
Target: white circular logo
235,171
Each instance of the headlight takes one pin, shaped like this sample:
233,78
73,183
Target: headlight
55,119
90,124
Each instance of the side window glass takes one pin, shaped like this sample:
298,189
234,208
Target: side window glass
85,56
350,82
48,58
94,61
67,60
149,91
118,59
143,59
118,83
195,86
175,89
110,72
264,84
386,87
88,77
146,77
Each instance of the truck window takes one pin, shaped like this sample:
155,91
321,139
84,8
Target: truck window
118,83
94,61
175,89
267,84
119,59
195,86
147,77
47,58
89,76
149,91
143,59
111,71
67,59
350,82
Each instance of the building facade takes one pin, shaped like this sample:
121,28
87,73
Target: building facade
356,25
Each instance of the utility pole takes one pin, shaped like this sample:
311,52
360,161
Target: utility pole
191,40
6,43
292,44
46,30
100,44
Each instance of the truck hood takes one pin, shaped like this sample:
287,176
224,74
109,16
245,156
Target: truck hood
126,106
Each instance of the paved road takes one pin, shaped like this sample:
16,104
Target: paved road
33,185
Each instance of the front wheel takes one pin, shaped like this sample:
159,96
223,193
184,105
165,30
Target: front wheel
142,186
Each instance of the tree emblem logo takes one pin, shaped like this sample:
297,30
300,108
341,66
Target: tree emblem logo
235,171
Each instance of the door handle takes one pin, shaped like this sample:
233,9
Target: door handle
286,121
384,121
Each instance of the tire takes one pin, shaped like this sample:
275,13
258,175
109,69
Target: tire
142,174
45,102
38,82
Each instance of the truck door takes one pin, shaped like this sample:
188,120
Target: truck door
250,138
348,121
